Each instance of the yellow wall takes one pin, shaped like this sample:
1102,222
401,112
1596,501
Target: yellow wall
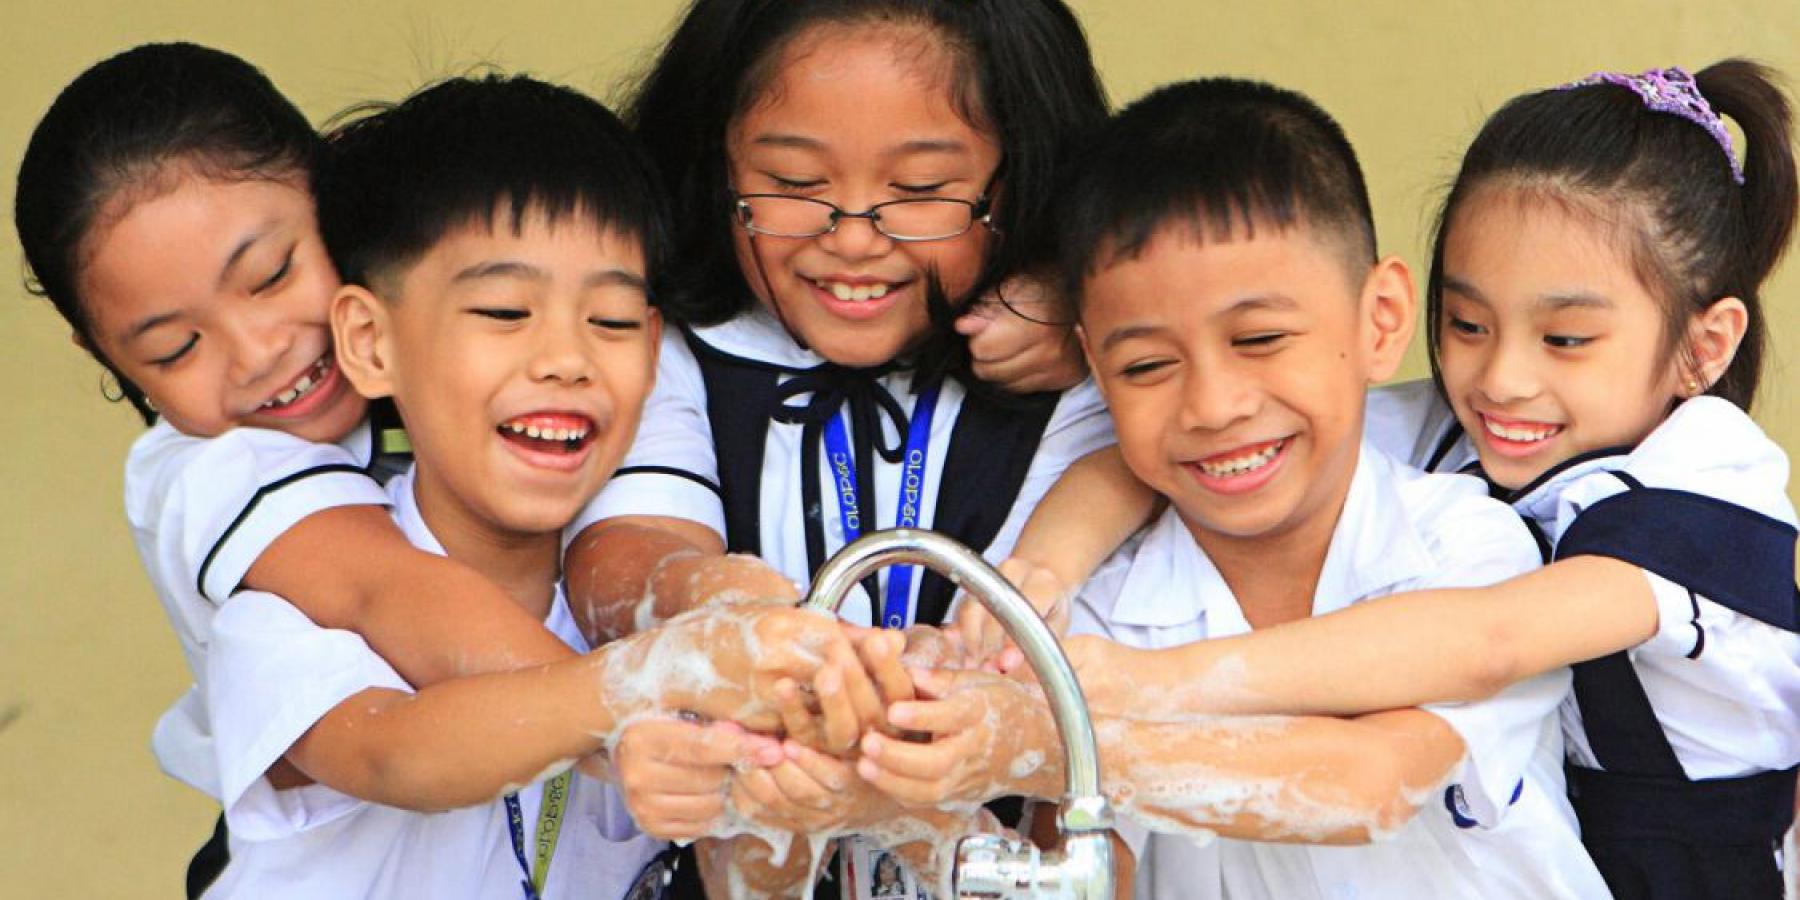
86,660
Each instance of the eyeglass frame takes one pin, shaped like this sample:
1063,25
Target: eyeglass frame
980,213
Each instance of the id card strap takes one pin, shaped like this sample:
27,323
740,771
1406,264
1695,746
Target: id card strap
549,830
914,461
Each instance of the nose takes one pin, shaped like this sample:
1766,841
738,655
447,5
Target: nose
1507,374
1216,396
560,354
855,235
256,344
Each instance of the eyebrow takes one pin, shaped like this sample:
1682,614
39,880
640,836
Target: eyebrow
507,268
1553,302
1120,335
905,148
1259,301
160,319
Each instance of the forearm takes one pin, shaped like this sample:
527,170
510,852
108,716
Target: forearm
625,575
1402,650
430,617
1309,780
1085,516
462,742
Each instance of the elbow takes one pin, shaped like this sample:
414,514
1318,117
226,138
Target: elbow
1380,802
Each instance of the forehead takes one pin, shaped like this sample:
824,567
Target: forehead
862,87
546,247
169,244
1510,240
1187,271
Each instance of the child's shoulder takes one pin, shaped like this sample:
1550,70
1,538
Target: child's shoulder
1411,422
1468,536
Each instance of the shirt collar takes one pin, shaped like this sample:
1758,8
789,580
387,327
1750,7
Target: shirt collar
407,515
1374,546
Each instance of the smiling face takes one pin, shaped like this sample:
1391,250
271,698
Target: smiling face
519,361
1550,346
212,297
859,115
1235,373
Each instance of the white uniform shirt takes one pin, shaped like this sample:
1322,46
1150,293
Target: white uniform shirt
1501,827
1725,686
672,469
201,511
272,674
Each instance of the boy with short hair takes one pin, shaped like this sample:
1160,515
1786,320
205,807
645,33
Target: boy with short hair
496,238
1220,244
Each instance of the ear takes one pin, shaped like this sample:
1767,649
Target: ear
362,331
1713,339
1087,356
1389,317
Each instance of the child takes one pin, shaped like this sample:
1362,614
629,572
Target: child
836,166
1596,328
497,237
165,208
1234,314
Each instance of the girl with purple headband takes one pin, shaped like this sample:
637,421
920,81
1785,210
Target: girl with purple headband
1596,337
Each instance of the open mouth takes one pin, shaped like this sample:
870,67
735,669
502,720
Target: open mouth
309,381
1517,438
556,433
856,293
1241,469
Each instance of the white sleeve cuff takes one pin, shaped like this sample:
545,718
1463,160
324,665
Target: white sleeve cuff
1677,618
1500,736
642,491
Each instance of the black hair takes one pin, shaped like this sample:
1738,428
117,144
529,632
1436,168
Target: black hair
124,128
1022,72
1663,183
1218,156
402,176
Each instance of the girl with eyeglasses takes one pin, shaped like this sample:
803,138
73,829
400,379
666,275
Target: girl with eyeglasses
846,176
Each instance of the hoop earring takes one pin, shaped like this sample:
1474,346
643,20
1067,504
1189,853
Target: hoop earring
110,387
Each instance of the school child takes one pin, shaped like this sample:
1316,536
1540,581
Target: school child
846,175
1234,315
1596,330
497,237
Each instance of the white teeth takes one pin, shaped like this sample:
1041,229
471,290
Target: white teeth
562,435
1242,464
1520,433
306,383
854,293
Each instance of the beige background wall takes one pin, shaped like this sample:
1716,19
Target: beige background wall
86,660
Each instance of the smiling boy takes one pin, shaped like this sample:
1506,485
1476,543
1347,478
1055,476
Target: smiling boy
496,238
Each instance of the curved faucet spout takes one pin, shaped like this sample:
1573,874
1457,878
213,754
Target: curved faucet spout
1083,870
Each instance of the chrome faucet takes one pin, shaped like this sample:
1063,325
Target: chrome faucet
991,866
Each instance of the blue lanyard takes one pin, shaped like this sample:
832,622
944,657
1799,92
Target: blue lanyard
550,819
912,490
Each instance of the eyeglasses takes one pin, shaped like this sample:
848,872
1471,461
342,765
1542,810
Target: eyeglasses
926,219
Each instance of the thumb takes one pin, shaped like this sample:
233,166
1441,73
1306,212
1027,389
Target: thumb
975,321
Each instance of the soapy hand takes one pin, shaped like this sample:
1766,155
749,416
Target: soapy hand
1019,354
981,632
725,663
1104,669
991,736
675,774
850,694
809,793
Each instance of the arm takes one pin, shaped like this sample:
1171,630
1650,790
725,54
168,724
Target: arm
430,617
627,573
1396,651
1308,779
1093,508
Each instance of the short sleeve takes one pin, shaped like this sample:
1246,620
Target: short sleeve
1078,426
205,509
671,469
272,675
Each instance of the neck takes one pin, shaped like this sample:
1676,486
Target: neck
1275,575
525,565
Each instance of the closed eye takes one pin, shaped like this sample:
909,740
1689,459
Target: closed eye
1463,326
287,265
165,361
1566,341
794,185
931,188
616,324
1260,341
500,314
1144,368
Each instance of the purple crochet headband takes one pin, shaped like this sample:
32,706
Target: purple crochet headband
1672,91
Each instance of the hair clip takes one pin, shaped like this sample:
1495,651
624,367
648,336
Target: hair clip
1672,91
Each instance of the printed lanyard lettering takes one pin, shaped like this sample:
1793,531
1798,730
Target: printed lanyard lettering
549,828
912,490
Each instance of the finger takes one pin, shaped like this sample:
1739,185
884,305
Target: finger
938,717
800,788
693,811
796,719
865,701
882,659
924,762
649,778
935,683
832,773
909,791
842,726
